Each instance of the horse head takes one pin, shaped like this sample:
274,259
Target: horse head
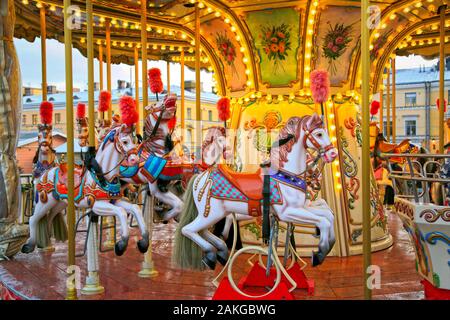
316,137
124,143
82,132
45,140
215,145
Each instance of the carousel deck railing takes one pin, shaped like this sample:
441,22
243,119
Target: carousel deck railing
418,176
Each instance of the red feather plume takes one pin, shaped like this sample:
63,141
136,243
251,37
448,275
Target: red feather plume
128,112
104,101
154,80
438,104
223,107
81,110
46,112
172,123
374,107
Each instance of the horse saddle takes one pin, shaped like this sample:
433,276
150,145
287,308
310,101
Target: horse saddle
249,183
62,177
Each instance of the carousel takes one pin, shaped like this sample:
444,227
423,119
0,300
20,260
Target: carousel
284,198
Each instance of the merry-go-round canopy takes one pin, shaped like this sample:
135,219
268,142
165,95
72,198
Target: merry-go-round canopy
230,46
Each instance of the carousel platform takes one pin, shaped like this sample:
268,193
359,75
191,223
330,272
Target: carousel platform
42,275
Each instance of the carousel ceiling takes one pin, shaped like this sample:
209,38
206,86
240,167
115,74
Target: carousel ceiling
232,38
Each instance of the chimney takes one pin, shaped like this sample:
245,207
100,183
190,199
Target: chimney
189,85
121,84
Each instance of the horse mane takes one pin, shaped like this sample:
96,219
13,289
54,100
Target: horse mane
211,134
293,127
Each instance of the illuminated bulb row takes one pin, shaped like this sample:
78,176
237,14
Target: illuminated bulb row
235,30
115,23
309,38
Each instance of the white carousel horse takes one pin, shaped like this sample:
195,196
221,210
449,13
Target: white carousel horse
44,160
130,208
118,146
216,193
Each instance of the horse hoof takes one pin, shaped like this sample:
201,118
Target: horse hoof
317,234
120,247
143,243
316,259
28,248
210,260
222,257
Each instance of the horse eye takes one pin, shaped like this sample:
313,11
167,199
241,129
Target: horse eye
320,135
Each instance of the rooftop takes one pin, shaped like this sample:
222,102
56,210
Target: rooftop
417,75
59,99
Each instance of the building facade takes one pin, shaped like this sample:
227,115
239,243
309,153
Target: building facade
417,115
30,112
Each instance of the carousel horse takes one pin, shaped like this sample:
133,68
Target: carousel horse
45,159
117,148
157,161
217,192
83,141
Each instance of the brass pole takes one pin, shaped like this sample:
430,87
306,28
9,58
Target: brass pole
148,267
441,77
365,96
108,63
71,293
43,53
100,65
90,63
381,108
183,111
394,104
136,87
198,111
388,105
168,77
144,55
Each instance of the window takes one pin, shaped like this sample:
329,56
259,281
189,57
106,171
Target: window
24,119
34,119
189,113
57,117
410,127
410,99
210,115
189,136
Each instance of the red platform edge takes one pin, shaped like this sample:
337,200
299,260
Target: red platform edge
257,278
6,294
226,292
433,293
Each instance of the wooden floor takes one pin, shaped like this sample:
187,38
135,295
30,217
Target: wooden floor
42,275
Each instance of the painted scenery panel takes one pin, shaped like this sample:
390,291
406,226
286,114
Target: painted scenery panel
217,33
338,35
276,37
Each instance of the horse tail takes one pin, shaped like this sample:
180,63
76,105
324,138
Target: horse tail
186,253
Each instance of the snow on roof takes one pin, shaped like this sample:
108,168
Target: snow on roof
418,75
24,142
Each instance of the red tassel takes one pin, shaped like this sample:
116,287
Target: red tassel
438,104
374,107
223,108
81,110
104,101
127,107
172,123
46,112
154,80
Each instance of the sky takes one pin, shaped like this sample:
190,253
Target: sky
30,63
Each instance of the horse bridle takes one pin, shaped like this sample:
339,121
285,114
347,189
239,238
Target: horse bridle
308,136
158,119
